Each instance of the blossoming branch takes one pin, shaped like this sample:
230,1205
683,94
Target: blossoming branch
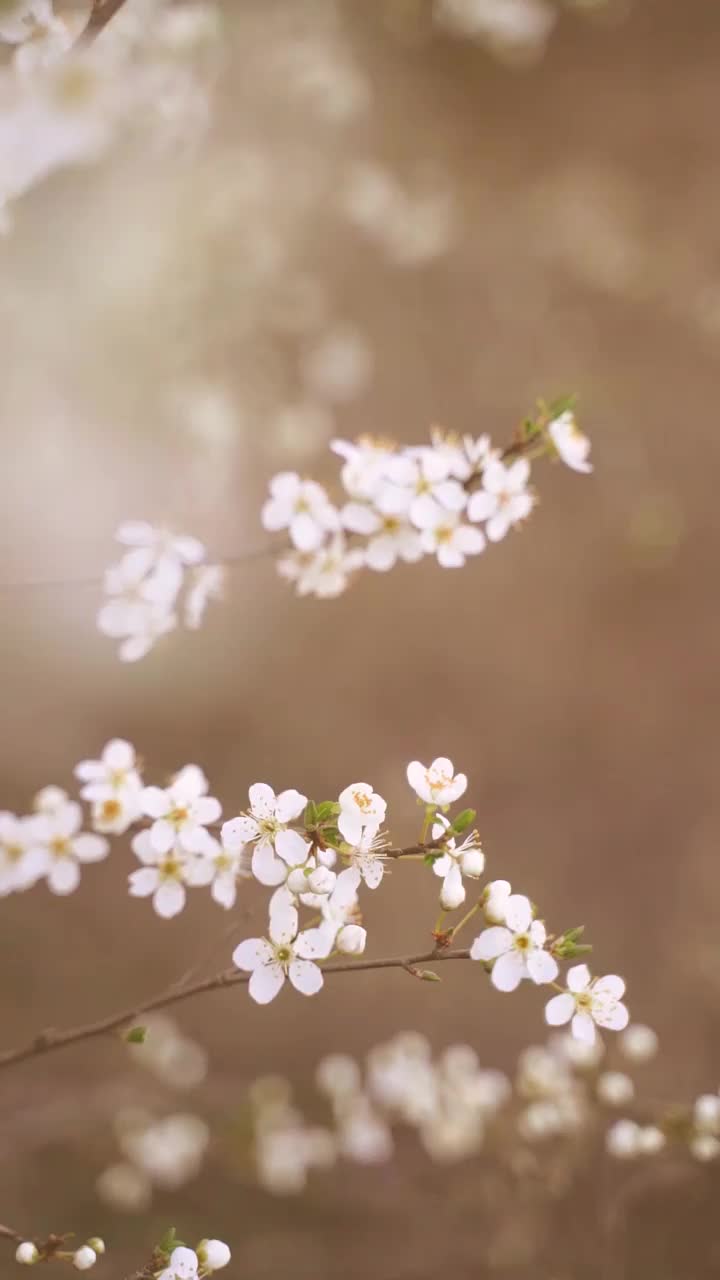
450,499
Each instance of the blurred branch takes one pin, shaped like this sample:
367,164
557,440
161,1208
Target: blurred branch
101,13
50,1040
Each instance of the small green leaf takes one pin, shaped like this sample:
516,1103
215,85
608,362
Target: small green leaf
310,818
327,809
463,821
427,975
563,404
431,858
136,1035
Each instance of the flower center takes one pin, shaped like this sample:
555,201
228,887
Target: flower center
13,852
59,847
170,869
583,1000
522,942
110,810
178,816
283,955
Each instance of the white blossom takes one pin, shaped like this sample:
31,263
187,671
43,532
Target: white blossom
615,1088
213,1255
26,1253
436,784
303,508
324,573
180,812
22,852
517,948
220,865
390,537
84,1258
572,446
451,540
588,1001
266,826
495,899
367,856
419,488
65,847
183,1265
503,500
163,876
205,584
113,786
638,1043
169,1151
364,466
456,861
285,954
361,809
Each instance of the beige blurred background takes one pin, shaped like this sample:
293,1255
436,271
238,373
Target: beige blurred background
180,323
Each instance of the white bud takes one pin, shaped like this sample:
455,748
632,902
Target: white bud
84,1258
622,1140
97,1244
321,880
326,857
495,901
652,1140
351,940
614,1088
26,1253
452,895
473,862
213,1254
638,1043
705,1147
707,1113
297,881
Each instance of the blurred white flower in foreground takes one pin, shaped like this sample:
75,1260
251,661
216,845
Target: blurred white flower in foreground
113,786
572,446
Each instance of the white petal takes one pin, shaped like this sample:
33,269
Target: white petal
350,826
583,1028
90,848
162,835
469,540
143,882
453,890
491,943
615,1017
542,967
360,518
559,1010
237,832
290,846
190,550
518,913
265,982
64,876
206,809
262,800
224,890
305,977
283,924
289,805
578,978
155,802
169,899
497,526
314,944
508,971
251,953
119,755
305,532
144,849
481,505
611,985
372,871
266,867
518,475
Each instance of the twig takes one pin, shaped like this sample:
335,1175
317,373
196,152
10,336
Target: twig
102,12
49,1041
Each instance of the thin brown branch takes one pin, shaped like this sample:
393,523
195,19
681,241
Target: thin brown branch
49,1041
101,13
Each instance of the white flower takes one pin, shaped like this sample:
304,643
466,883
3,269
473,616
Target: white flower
50,799
213,1254
588,1001
360,808
438,783
221,865
495,899
503,500
615,1088
517,948
638,1043
206,584
622,1139
456,861
324,573
84,1258
706,1113
181,811
286,954
183,1265
158,551
340,916
170,1150
704,1147
113,785
365,461
22,854
163,876
266,827
302,507
450,540
418,486
65,847
49,39
367,856
390,538
26,1253
572,446
140,609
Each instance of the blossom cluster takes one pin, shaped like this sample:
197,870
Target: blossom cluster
448,499
162,1152
83,1258
159,577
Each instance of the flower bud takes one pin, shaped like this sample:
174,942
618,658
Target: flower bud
351,939
473,862
213,1254
27,1253
297,881
97,1244
321,880
452,894
84,1258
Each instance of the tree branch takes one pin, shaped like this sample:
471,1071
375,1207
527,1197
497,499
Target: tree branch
49,1041
101,13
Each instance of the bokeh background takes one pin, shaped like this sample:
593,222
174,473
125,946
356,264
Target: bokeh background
385,224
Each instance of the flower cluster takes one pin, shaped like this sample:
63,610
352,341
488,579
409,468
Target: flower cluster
164,1152
83,1258
160,574
48,844
447,499
192,1264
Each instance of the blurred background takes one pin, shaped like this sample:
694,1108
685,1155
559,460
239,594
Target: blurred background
390,219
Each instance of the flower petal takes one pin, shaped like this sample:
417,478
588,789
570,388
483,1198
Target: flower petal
169,899
262,801
542,967
143,882
518,913
265,982
508,971
578,978
583,1028
289,805
491,943
266,867
251,953
64,876
305,977
559,1010
290,846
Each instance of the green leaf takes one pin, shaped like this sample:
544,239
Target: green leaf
136,1035
327,809
431,858
310,818
563,404
463,821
